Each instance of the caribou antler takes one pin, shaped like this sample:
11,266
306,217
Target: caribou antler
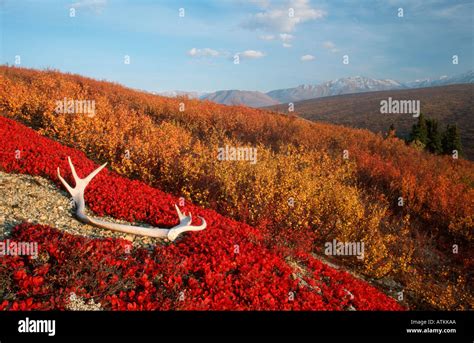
77,194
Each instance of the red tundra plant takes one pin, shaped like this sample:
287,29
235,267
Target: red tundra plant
228,266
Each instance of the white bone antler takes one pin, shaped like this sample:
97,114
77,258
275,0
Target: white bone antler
77,194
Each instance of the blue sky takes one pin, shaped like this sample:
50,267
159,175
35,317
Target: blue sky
276,50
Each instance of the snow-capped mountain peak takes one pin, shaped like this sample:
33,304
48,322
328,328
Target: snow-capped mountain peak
345,85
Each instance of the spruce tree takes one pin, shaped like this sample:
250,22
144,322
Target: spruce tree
419,131
433,142
391,131
452,140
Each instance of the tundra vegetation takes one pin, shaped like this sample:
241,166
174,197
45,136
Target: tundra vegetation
312,183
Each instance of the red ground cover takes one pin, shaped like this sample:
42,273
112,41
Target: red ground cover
227,266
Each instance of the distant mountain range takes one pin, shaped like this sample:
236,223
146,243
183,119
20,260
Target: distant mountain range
237,97
451,104
347,85
190,95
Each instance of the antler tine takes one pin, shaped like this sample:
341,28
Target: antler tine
200,227
94,173
80,183
73,170
68,187
180,214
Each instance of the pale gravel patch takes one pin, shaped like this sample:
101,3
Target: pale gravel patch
76,303
36,200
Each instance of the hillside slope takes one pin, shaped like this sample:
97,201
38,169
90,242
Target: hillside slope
452,104
201,271
311,183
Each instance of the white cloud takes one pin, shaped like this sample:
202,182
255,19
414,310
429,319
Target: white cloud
95,5
266,37
279,19
211,53
251,54
286,39
205,52
306,58
330,46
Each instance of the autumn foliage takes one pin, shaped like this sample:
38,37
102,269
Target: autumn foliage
228,266
312,183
